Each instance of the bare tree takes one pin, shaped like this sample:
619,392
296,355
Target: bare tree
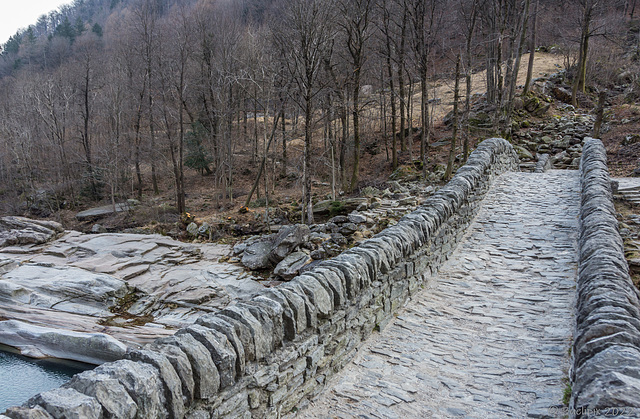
355,24
586,32
386,10
454,135
304,36
469,14
88,50
532,49
426,17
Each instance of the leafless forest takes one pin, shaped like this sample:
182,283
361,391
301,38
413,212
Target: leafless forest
106,100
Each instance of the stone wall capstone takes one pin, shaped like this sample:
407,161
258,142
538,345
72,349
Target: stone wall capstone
606,349
268,355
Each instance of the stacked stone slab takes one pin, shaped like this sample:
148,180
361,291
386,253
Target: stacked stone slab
265,356
606,350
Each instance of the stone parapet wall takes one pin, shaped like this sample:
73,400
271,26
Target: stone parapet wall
606,349
544,163
266,356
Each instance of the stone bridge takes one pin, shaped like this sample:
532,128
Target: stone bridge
505,295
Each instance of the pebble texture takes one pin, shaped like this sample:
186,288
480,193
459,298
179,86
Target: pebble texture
491,337
606,371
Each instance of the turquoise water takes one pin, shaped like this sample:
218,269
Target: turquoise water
21,377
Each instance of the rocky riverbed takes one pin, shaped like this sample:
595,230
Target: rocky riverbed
88,296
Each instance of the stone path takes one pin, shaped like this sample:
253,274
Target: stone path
490,337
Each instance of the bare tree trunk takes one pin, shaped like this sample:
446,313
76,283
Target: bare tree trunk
456,99
256,182
255,124
401,86
392,100
599,114
343,142
86,139
284,142
307,204
579,81
137,148
356,133
532,48
152,132
469,71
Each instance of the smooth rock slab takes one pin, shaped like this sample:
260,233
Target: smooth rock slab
67,289
100,212
44,342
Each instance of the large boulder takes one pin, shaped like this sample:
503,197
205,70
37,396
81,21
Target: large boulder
100,212
345,206
288,239
561,94
20,230
256,255
268,251
290,266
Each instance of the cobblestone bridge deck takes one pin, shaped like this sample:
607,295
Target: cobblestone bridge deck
490,336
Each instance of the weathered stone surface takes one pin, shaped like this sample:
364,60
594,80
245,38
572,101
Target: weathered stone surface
40,342
20,230
168,375
36,412
274,311
266,252
109,392
320,329
68,403
180,362
142,382
81,282
298,308
287,240
289,313
324,208
255,339
63,288
357,218
220,349
215,322
256,255
99,212
290,266
205,374
511,279
192,229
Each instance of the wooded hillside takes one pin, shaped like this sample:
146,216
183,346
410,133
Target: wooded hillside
116,99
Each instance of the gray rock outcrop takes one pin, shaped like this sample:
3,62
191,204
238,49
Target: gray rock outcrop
268,251
45,342
20,231
133,287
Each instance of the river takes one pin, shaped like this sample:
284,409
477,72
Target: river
23,377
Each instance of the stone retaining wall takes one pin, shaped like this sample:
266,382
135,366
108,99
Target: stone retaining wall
268,355
606,349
